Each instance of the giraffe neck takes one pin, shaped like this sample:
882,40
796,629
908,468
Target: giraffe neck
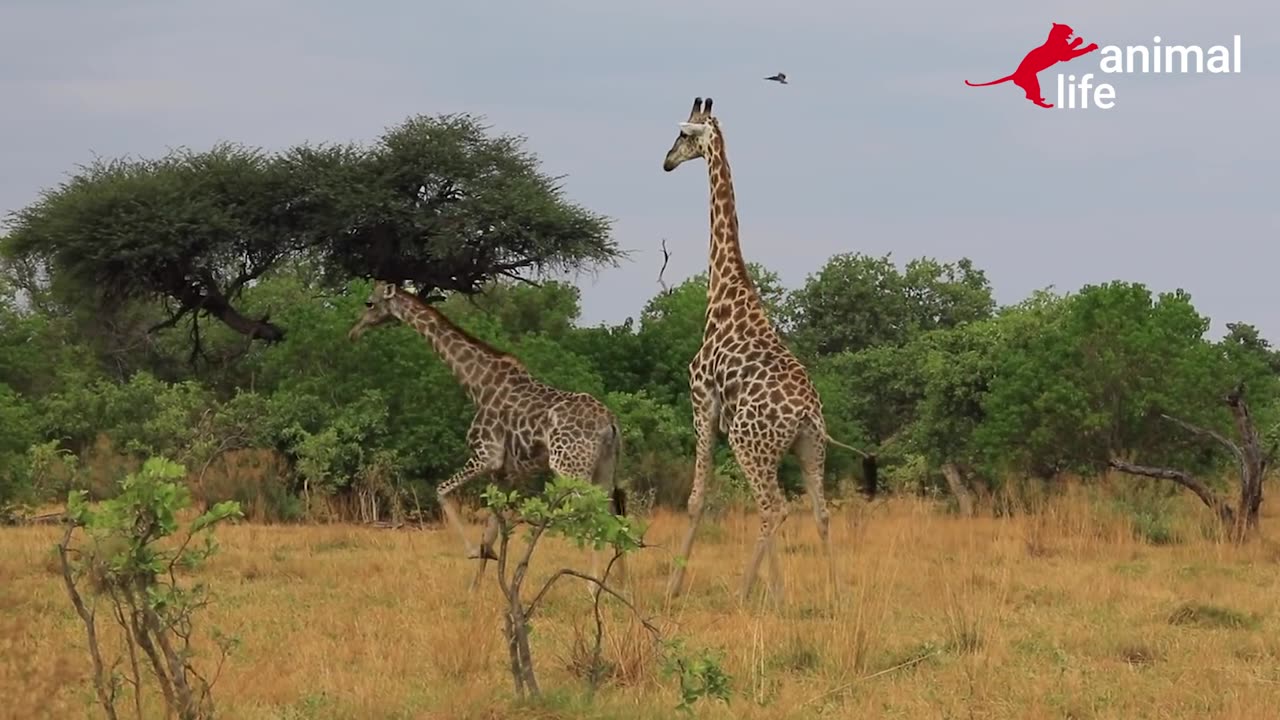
728,280
476,365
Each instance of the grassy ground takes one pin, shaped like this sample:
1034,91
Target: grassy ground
1061,614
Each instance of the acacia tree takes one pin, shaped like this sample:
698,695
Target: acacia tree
438,201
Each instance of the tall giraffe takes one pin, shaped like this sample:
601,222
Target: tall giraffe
744,381
521,425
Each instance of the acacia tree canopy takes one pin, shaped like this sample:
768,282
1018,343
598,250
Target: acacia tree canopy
437,201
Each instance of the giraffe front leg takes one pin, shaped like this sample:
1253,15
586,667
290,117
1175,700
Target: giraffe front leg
704,426
476,466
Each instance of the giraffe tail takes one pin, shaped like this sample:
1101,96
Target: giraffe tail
870,469
862,453
607,466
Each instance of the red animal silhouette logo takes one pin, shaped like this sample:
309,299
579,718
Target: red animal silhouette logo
1059,47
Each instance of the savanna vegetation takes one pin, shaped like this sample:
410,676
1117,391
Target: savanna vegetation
1069,520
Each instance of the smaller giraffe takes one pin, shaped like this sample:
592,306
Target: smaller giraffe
521,426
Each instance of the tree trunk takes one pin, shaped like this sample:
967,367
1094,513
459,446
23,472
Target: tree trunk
517,627
186,704
1253,465
513,653
955,481
100,682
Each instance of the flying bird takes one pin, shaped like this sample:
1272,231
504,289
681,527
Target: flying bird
779,78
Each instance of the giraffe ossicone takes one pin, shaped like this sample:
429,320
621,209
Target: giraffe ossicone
744,381
522,426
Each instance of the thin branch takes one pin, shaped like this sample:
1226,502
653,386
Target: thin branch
504,532
666,257
595,611
518,278
173,320
522,567
841,688
1235,449
574,573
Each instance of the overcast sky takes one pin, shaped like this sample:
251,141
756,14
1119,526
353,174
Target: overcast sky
876,146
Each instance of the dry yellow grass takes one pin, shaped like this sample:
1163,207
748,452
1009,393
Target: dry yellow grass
1057,615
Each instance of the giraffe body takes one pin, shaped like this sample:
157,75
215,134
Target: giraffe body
745,384
521,427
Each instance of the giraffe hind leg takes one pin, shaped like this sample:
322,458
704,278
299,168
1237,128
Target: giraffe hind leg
579,460
604,476
811,451
775,566
761,471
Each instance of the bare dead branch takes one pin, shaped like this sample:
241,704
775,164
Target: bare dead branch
841,688
174,319
55,518
1235,449
666,258
1186,480
519,278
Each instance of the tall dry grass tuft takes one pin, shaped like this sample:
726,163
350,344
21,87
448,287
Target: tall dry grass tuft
630,656
255,478
466,645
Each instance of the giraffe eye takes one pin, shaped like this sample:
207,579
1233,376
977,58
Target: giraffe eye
368,304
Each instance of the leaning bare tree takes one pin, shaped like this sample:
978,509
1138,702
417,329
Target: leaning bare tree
1241,519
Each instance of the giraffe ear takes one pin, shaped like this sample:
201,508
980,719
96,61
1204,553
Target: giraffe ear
692,129
389,291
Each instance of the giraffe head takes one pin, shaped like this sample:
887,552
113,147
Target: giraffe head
694,140
377,309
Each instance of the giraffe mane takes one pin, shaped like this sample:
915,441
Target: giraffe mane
447,322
